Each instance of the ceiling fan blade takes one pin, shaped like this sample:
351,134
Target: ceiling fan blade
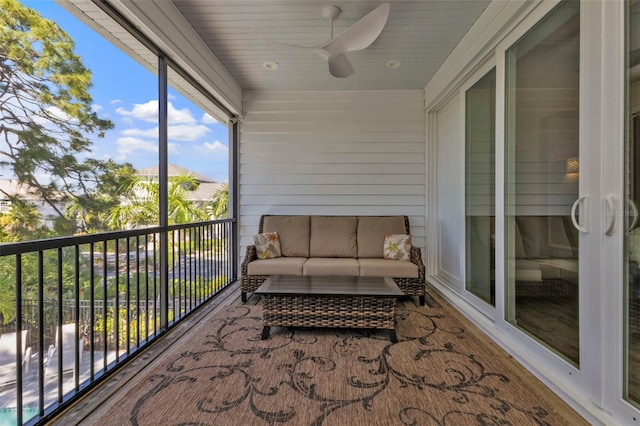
357,37
339,66
361,34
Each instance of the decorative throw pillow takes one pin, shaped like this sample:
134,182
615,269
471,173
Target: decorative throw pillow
397,247
267,245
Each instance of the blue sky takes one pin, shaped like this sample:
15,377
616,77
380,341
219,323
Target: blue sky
126,93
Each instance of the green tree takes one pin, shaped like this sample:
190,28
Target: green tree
90,212
138,206
21,223
46,108
30,281
219,206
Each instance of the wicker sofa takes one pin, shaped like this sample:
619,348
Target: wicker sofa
334,245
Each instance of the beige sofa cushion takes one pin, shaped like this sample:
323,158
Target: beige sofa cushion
388,268
371,233
333,236
527,270
277,266
293,232
331,266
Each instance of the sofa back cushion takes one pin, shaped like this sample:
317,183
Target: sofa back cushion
373,229
333,236
293,232
533,234
518,246
547,237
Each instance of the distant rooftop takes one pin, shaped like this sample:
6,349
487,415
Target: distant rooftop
174,170
207,187
15,188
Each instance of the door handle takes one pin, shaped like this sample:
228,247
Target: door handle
611,208
579,227
634,220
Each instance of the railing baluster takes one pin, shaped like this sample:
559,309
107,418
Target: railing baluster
155,286
77,340
92,311
105,275
222,233
199,267
207,261
137,269
146,287
225,240
177,314
127,293
209,273
59,343
198,256
40,333
116,308
192,277
220,242
173,272
19,343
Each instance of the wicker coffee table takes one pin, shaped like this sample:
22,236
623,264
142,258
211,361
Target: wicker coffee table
345,302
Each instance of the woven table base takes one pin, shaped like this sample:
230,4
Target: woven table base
329,311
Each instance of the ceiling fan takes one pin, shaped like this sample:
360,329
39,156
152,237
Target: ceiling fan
357,37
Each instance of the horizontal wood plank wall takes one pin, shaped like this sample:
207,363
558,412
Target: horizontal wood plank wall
332,153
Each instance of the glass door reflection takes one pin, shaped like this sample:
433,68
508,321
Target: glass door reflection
541,181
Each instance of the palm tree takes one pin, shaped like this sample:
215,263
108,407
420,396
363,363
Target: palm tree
140,201
218,208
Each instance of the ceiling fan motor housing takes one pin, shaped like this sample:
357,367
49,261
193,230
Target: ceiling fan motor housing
331,12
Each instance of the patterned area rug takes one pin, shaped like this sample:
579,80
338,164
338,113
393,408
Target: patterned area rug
221,373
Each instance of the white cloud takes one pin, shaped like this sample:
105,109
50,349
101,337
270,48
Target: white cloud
181,132
96,107
144,112
59,114
179,116
208,119
116,101
128,145
149,112
185,132
144,133
54,113
213,147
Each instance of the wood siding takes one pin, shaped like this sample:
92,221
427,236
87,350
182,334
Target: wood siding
332,153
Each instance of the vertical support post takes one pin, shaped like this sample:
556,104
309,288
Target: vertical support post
163,180
233,239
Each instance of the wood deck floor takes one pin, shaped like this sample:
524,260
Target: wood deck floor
103,397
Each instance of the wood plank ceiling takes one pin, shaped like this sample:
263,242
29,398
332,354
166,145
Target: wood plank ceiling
419,34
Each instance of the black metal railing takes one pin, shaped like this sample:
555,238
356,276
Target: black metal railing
85,304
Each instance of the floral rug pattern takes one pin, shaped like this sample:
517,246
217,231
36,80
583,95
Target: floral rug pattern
435,375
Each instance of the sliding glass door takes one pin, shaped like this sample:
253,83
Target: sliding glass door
632,224
552,198
480,140
542,167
